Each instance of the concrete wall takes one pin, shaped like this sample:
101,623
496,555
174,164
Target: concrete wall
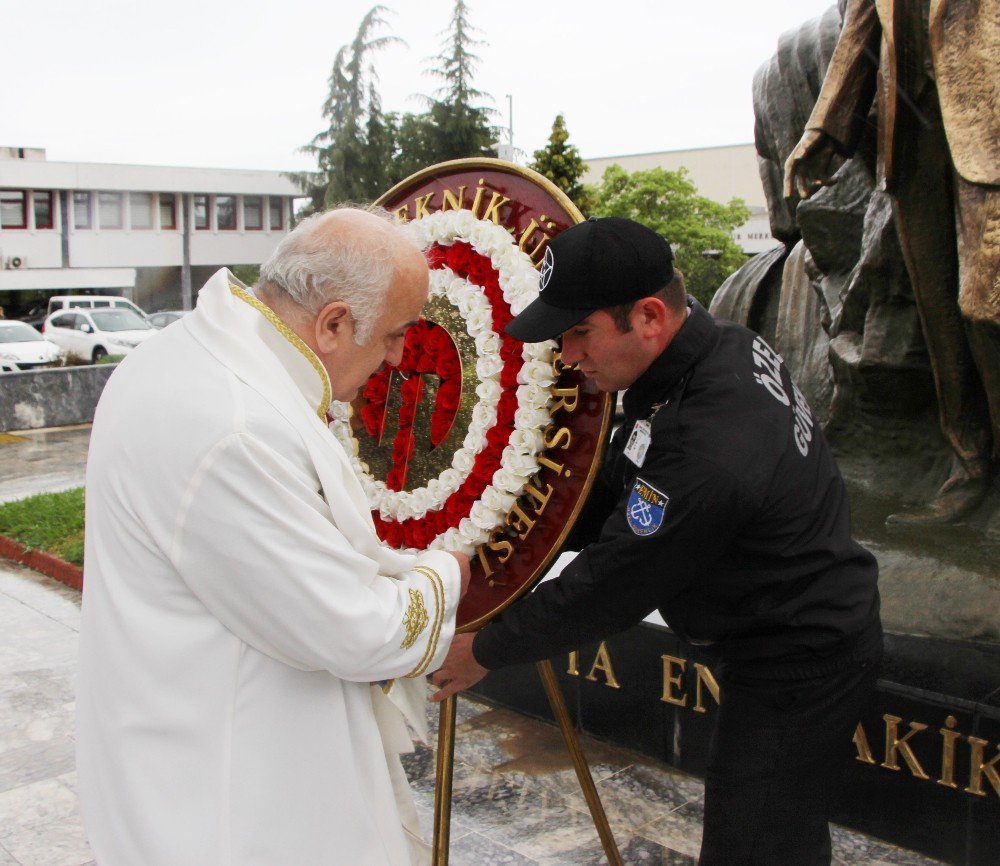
51,398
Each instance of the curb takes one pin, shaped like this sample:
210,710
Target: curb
46,563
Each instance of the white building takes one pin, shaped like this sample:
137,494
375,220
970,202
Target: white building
720,173
151,233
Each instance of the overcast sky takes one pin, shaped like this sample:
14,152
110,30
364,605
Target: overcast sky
224,84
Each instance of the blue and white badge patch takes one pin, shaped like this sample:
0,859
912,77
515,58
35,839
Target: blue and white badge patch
645,508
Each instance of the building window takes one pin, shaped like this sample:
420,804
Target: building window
253,213
140,205
276,213
13,209
109,210
168,210
42,203
225,212
201,212
81,210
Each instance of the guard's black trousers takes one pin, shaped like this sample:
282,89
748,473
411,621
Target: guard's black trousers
777,753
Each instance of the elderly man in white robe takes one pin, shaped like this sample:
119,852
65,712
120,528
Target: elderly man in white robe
239,611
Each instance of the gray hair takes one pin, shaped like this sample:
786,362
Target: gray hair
313,267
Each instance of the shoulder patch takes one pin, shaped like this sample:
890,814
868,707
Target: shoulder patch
645,508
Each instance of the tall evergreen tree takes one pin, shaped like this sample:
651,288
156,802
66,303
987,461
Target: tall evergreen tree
561,163
456,126
354,153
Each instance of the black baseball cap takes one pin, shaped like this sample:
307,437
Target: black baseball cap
602,262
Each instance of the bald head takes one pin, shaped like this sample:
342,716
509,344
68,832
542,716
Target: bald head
345,254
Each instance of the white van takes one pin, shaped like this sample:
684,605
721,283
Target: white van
91,302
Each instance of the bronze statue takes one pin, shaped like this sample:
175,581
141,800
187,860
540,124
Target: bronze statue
935,65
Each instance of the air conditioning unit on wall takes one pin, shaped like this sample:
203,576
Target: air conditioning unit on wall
15,262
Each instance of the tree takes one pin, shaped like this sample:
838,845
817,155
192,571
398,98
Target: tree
561,163
457,128
354,153
699,229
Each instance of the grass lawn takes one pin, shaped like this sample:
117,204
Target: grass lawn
52,522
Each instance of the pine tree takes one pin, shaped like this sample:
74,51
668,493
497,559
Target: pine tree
354,153
561,163
457,127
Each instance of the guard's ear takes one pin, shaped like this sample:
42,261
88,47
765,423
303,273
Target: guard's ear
334,325
649,316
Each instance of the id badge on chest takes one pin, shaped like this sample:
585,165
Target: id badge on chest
638,442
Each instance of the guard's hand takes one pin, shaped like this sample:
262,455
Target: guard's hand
460,669
465,570
809,165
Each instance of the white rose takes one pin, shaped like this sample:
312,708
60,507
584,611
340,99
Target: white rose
489,367
487,343
479,321
526,440
481,236
519,464
532,417
483,516
509,482
463,299
463,461
469,532
497,500
489,390
535,372
421,500
451,479
533,396
435,491
484,415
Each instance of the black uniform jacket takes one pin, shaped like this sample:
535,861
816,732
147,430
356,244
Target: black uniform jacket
736,526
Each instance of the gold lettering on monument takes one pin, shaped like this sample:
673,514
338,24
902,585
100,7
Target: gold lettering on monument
895,744
518,520
603,663
452,202
861,744
978,768
493,208
573,670
673,681
948,752
478,200
566,399
540,498
706,679
422,202
521,517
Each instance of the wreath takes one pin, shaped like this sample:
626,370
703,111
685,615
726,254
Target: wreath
478,269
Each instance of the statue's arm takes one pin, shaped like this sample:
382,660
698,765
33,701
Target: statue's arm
841,110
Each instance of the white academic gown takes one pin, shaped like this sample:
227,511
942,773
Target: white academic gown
237,608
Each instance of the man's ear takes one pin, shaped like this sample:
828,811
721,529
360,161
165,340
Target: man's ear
649,316
333,326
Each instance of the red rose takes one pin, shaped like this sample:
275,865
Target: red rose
393,534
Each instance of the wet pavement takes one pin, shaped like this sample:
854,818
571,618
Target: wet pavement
37,461
516,799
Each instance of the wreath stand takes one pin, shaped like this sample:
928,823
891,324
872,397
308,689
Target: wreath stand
446,765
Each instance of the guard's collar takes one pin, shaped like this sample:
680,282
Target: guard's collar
692,342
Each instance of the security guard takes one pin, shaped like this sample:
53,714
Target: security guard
719,504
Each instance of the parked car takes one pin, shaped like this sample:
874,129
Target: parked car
92,302
23,348
165,317
94,334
